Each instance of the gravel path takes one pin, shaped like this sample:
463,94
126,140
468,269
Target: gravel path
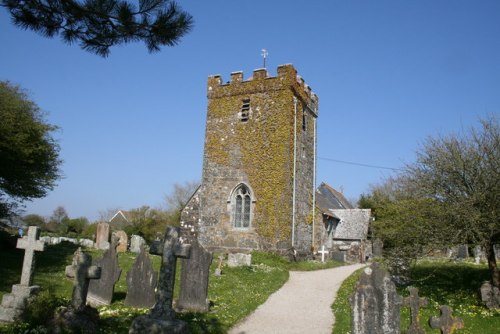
302,305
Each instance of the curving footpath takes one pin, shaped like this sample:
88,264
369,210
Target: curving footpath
302,305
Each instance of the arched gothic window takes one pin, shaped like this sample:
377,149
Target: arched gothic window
242,202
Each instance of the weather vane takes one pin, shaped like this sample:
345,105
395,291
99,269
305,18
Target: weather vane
264,54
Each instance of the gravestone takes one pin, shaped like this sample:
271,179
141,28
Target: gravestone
414,302
78,318
82,271
239,259
446,322
122,241
478,254
377,248
141,282
323,252
14,303
102,236
218,270
193,295
101,290
375,303
161,318
490,295
136,243
463,252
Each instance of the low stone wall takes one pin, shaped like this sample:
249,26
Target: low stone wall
57,240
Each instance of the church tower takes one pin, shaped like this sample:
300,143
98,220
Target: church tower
258,183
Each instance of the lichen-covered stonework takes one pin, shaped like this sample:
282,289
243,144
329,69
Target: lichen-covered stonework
259,153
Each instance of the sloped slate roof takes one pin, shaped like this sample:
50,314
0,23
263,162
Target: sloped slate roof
353,224
328,198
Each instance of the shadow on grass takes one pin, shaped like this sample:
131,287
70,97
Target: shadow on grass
200,323
449,280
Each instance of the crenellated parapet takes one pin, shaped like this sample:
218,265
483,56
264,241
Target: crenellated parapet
260,81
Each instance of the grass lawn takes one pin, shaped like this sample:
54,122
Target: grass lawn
232,296
443,283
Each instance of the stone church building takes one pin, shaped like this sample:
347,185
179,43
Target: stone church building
258,180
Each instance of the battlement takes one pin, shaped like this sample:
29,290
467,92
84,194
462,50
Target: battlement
287,75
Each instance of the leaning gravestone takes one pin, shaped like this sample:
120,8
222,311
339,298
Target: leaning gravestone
141,282
14,303
101,290
161,319
193,295
79,317
102,236
375,303
136,243
122,241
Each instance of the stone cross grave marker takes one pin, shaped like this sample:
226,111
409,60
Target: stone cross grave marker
30,244
446,322
14,303
323,252
162,316
82,271
101,290
141,282
415,303
193,295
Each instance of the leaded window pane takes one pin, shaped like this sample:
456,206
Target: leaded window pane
246,212
237,211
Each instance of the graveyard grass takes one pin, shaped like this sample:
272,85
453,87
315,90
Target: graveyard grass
443,283
233,296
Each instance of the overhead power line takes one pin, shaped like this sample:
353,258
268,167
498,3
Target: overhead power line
359,164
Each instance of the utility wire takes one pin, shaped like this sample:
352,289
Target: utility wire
359,164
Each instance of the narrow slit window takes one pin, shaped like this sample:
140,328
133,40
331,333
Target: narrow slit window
245,110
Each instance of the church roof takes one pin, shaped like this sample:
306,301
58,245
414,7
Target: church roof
328,199
353,223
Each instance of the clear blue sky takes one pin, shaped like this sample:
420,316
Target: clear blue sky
388,74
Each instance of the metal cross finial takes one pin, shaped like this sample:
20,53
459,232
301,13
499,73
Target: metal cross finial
264,54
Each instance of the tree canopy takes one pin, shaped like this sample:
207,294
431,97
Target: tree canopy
98,25
29,156
450,195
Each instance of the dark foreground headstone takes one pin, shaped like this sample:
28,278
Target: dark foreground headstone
141,282
375,303
414,302
193,295
161,319
101,290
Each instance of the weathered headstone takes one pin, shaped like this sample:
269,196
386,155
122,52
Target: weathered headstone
102,236
161,319
193,295
463,252
101,290
122,241
478,254
218,270
239,259
14,303
82,271
377,248
414,302
141,282
446,322
136,243
375,303
490,295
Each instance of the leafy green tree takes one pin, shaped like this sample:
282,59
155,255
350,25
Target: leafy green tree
34,220
99,24
147,222
450,195
29,156
73,227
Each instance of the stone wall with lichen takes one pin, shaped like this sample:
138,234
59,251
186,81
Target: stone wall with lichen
258,152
